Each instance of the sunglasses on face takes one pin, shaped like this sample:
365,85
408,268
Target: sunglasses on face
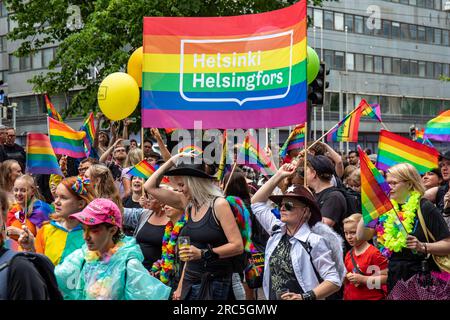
288,205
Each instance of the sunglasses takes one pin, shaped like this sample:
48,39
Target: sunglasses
288,205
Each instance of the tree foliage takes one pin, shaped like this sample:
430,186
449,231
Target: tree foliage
111,31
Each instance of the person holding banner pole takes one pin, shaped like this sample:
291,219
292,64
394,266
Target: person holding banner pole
407,254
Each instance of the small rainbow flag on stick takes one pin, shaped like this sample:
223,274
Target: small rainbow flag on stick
253,156
393,149
439,128
225,162
41,158
65,140
144,170
347,128
51,111
296,140
89,127
188,149
374,199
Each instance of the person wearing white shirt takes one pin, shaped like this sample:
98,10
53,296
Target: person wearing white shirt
299,264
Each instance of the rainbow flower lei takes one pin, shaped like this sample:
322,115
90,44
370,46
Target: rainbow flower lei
166,263
92,256
390,238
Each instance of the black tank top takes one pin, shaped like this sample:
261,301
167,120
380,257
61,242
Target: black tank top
150,239
203,232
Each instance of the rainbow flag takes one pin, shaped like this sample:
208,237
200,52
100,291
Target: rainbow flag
41,158
144,170
65,140
439,128
296,140
372,110
420,136
374,200
225,162
192,148
253,156
89,127
245,71
393,149
347,128
51,111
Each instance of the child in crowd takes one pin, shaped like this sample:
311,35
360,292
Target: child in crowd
366,266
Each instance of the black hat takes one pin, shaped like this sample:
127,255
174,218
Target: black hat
321,164
437,171
304,195
191,170
445,155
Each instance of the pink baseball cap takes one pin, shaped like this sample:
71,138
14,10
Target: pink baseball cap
99,211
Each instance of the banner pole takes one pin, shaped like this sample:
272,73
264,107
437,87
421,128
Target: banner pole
305,156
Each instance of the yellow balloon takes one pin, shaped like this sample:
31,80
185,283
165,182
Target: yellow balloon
118,96
134,67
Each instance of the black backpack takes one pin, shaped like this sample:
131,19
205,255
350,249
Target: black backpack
352,199
40,262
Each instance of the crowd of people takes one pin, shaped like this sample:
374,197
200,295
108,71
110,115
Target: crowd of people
183,234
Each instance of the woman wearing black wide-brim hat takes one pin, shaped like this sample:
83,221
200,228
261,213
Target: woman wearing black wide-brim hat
300,263
211,227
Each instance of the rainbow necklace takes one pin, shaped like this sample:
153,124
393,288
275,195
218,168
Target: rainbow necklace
166,263
390,237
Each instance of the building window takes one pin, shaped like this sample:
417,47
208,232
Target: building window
378,64
3,46
368,27
413,32
404,30
3,10
446,69
328,20
14,63
437,4
437,70
339,60
318,18
413,2
359,62
405,67
37,60
349,22
429,34
395,30
387,65
445,37
422,68
359,24
396,66
48,55
328,57
25,63
368,63
339,21
421,34
430,70
414,68
27,105
437,36
386,28
350,61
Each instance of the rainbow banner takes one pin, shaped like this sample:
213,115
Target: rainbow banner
65,140
89,127
41,158
51,111
296,140
244,71
252,155
347,129
393,149
374,199
438,128
144,170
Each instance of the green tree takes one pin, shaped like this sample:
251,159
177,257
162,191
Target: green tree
111,31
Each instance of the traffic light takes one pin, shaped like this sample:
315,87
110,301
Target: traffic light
412,132
316,90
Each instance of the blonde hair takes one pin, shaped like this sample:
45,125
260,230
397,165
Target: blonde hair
105,188
354,218
202,190
134,157
355,176
5,172
29,180
407,173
